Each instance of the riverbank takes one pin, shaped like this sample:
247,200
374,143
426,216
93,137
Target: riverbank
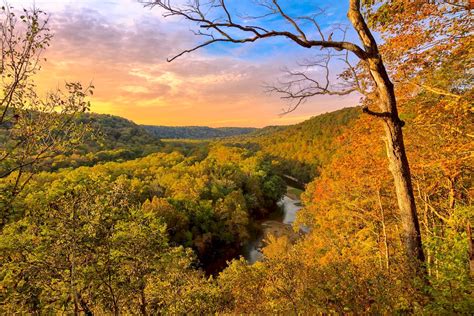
293,193
282,226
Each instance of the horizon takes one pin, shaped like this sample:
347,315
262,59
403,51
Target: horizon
224,126
121,47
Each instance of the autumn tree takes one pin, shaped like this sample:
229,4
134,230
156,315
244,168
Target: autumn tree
218,22
428,46
419,36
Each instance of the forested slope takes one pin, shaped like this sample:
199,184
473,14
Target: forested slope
301,150
354,243
112,132
196,132
106,138
113,138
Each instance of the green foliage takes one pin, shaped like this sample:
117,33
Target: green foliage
452,286
196,132
301,150
205,203
95,250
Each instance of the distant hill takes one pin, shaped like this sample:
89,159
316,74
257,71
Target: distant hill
112,132
196,132
301,149
298,150
108,138
114,138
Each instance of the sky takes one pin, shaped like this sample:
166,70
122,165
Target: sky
122,48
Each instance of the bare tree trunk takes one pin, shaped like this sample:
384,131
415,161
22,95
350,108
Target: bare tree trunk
399,167
398,162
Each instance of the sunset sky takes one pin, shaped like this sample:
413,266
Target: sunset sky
122,48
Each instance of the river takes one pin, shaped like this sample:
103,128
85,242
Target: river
278,227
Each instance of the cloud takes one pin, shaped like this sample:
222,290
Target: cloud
125,57
88,33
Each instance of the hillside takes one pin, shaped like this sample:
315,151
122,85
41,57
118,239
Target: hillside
300,150
106,138
196,132
111,132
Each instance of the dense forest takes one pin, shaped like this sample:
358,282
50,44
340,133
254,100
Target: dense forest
101,216
302,149
196,132
102,138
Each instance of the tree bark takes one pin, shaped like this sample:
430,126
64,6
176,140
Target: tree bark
399,167
398,161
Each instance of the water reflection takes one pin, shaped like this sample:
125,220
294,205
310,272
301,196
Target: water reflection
252,250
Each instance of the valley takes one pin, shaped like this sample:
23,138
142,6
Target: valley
349,193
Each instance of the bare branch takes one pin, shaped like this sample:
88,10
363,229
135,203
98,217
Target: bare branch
226,27
20,53
290,20
300,85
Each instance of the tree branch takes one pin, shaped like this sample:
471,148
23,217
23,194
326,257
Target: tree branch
223,26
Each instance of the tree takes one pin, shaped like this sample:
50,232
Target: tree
420,35
32,127
218,23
